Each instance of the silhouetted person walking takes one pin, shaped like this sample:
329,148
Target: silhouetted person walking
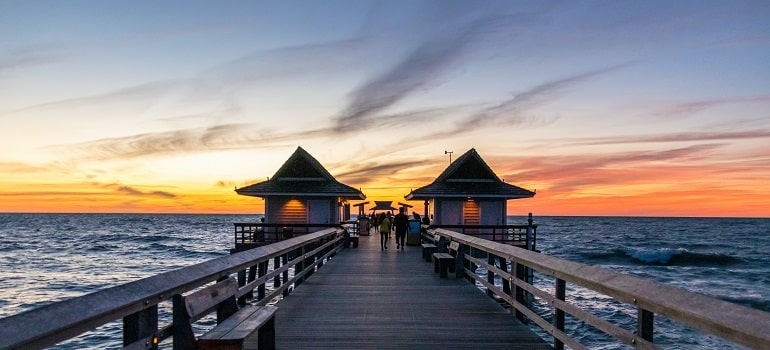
384,227
401,223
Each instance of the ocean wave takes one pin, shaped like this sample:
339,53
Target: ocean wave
679,256
661,256
752,302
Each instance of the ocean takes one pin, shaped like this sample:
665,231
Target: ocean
51,257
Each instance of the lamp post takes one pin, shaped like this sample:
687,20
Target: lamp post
450,155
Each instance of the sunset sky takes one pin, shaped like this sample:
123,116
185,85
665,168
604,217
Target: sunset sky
645,108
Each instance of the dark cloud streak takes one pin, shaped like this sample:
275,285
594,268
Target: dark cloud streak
688,108
595,169
26,58
429,59
131,191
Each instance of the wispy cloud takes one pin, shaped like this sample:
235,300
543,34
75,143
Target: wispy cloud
23,168
221,137
26,58
191,140
369,171
676,137
282,62
413,72
132,98
420,68
688,108
514,111
511,110
566,173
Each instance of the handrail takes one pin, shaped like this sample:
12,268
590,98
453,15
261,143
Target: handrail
35,328
251,234
736,323
517,234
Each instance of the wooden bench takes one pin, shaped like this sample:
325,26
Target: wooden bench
351,235
250,327
445,261
354,240
428,248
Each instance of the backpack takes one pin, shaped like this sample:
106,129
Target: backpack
385,225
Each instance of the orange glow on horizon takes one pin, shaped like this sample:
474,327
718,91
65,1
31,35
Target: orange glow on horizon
685,203
641,190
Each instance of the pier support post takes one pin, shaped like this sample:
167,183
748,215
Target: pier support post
460,263
644,324
320,254
490,274
252,276
530,234
285,260
241,283
141,325
182,333
504,267
277,278
309,260
558,319
519,293
299,266
261,287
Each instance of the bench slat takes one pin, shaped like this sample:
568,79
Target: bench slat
201,302
241,324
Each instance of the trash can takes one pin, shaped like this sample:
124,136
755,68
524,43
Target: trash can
413,234
363,225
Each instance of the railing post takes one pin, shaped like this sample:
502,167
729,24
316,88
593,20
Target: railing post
504,267
276,265
285,260
141,325
530,234
241,283
182,334
558,318
490,274
520,271
252,276
644,324
471,267
322,252
460,262
261,287
307,260
299,266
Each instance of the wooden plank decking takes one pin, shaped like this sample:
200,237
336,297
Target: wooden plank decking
368,299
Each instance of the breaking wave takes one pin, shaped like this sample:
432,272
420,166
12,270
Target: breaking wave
663,256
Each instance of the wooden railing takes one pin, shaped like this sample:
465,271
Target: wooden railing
137,302
524,236
735,323
252,234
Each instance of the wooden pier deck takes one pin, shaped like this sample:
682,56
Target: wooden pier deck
368,299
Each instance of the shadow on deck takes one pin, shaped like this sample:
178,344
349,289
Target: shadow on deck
370,299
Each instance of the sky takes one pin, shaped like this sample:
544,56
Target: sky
641,108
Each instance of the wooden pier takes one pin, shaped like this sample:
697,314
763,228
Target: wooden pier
364,298
372,299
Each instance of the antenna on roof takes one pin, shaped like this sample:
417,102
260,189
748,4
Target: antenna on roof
450,155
